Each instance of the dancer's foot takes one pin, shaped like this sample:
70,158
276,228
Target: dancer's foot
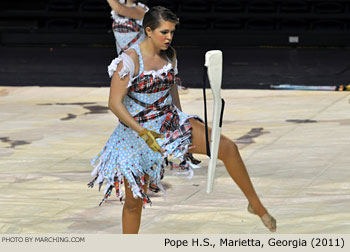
266,218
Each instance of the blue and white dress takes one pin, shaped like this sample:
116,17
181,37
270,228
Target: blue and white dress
126,154
127,31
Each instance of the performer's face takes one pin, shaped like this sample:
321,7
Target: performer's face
163,35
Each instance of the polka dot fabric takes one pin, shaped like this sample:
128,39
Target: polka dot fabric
127,155
127,31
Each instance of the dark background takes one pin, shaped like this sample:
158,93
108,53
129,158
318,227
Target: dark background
265,42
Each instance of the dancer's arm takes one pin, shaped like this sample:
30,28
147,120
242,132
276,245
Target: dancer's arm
136,12
175,96
118,90
174,89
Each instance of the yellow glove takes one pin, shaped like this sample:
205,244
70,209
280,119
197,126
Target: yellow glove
150,138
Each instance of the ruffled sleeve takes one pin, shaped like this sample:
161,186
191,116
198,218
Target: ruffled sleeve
143,6
121,19
128,67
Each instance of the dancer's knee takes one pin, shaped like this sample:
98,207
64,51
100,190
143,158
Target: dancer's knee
227,148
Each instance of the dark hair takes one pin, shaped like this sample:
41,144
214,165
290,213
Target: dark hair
153,19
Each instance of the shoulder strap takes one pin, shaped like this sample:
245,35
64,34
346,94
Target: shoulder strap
138,51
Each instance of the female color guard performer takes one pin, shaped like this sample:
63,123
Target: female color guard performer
127,22
144,96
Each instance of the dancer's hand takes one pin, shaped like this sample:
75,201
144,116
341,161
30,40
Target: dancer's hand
150,138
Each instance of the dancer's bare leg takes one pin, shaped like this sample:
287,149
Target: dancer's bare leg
229,154
132,210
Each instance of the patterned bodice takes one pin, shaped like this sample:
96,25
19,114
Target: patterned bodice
151,91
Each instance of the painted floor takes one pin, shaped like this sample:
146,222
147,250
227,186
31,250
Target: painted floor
295,145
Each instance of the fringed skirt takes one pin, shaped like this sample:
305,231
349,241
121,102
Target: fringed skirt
126,155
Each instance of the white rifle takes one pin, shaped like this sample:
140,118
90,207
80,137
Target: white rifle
213,62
